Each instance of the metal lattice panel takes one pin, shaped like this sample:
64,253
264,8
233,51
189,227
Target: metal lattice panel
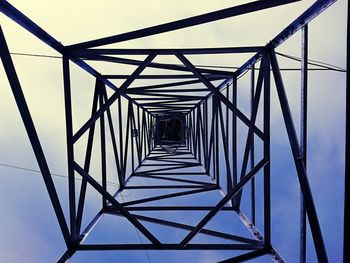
178,140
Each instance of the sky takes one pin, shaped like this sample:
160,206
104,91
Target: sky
29,231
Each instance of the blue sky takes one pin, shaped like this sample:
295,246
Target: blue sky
29,231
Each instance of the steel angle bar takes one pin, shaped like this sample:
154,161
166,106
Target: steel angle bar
162,186
224,136
250,134
252,148
172,168
346,234
211,137
167,110
151,91
156,100
164,94
202,130
138,144
170,179
70,149
87,160
121,142
174,67
170,102
234,135
216,143
169,107
96,116
175,165
118,206
266,152
167,247
229,181
33,136
126,145
185,51
90,226
313,11
144,136
223,201
164,86
247,256
220,96
176,208
249,225
188,227
113,98
169,161
299,164
206,137
148,132
198,135
167,196
113,137
183,23
22,20
163,76
9,10
183,173
303,134
103,150
163,153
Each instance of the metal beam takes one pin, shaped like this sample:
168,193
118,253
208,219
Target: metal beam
128,61
303,134
21,19
220,96
222,202
252,148
250,135
171,51
113,98
172,195
70,148
9,10
187,227
247,256
177,208
160,76
299,164
33,136
313,11
183,23
167,247
87,161
117,205
346,235
266,152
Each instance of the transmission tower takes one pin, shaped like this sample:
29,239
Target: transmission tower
178,138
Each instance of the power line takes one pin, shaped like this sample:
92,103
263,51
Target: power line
34,55
79,179
137,232
322,65
314,63
53,174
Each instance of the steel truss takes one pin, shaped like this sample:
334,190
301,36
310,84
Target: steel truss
211,143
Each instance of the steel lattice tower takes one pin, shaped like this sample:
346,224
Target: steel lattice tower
205,161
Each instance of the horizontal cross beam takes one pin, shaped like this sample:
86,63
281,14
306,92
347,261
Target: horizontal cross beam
186,51
183,23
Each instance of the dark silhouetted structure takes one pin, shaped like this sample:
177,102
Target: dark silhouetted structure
174,130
